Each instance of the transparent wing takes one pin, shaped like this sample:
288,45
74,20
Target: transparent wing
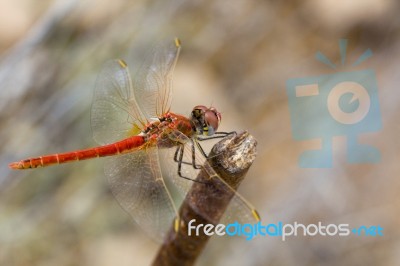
136,182
115,114
153,82
213,190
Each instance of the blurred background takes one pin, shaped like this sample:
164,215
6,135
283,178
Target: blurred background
237,56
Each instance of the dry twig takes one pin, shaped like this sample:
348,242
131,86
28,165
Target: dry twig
231,158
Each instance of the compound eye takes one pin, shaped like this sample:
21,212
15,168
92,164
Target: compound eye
218,114
199,110
212,119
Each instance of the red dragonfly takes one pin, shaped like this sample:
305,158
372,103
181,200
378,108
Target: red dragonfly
133,124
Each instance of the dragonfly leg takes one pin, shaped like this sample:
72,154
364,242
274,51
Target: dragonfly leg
178,149
199,147
179,152
221,135
195,166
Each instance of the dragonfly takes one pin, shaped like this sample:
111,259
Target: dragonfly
135,129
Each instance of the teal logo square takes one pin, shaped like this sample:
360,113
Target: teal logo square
338,104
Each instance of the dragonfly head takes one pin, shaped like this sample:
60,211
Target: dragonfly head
205,120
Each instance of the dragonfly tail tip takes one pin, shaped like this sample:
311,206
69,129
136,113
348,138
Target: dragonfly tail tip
14,165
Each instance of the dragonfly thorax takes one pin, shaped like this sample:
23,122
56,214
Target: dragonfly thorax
166,124
158,125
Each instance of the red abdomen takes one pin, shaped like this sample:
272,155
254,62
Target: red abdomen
123,146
